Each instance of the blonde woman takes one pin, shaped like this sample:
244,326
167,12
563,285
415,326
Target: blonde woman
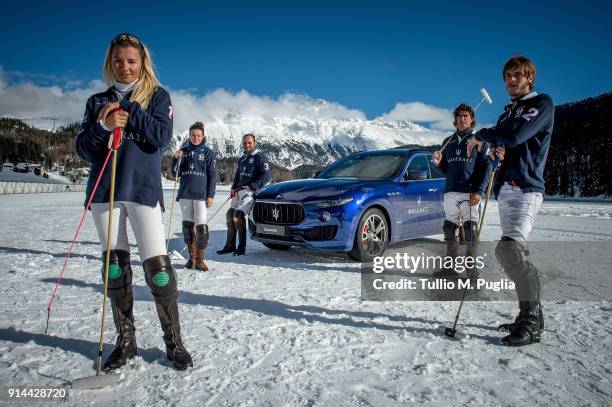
145,116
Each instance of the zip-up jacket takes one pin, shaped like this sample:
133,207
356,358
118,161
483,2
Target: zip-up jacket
197,171
464,174
524,129
253,171
147,134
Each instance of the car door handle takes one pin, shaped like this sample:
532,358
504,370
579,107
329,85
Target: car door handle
433,190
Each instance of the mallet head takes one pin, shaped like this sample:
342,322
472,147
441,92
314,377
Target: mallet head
486,96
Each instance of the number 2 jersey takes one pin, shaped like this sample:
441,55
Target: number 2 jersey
524,129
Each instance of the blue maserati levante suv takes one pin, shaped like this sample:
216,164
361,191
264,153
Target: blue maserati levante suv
358,205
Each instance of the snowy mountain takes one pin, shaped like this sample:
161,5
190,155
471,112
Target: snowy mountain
310,140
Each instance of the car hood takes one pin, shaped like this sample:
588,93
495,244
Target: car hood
308,189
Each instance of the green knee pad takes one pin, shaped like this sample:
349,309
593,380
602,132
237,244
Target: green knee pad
119,273
161,279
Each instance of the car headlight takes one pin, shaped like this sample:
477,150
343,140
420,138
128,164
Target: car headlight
327,203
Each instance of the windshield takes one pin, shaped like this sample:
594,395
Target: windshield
365,166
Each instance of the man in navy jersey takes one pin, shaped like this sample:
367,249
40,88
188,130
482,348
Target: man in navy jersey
520,139
466,181
253,172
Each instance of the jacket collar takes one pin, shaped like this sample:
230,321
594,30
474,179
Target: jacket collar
526,96
463,137
200,146
112,94
529,95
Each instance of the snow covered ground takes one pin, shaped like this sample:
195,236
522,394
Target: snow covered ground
288,328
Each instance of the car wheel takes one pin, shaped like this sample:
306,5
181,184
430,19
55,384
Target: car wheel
275,246
371,237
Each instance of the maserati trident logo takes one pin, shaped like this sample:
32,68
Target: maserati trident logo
275,213
458,151
420,209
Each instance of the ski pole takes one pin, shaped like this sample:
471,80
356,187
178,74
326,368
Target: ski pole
176,177
115,144
76,235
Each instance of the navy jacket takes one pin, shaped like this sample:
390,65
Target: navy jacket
253,171
197,171
464,174
525,129
147,134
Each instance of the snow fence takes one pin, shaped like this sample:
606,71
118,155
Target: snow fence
37,187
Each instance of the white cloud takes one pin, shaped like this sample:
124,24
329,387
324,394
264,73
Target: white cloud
28,100
438,118
66,101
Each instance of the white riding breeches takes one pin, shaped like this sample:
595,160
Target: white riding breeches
146,223
194,211
517,211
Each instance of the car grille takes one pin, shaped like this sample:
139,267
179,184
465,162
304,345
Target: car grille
278,214
327,232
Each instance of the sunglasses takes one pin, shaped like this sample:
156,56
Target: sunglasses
127,39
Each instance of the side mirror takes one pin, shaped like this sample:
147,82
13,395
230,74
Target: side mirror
416,175
316,174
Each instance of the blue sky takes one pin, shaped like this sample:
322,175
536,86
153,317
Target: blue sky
364,55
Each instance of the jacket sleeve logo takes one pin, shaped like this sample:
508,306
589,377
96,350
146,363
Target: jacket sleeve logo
533,112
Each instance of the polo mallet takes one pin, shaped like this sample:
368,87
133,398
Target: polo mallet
452,332
485,97
218,209
99,380
176,255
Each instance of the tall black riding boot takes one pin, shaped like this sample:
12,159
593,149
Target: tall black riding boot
527,328
451,238
189,238
175,351
162,281
240,220
230,244
201,242
520,293
122,303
